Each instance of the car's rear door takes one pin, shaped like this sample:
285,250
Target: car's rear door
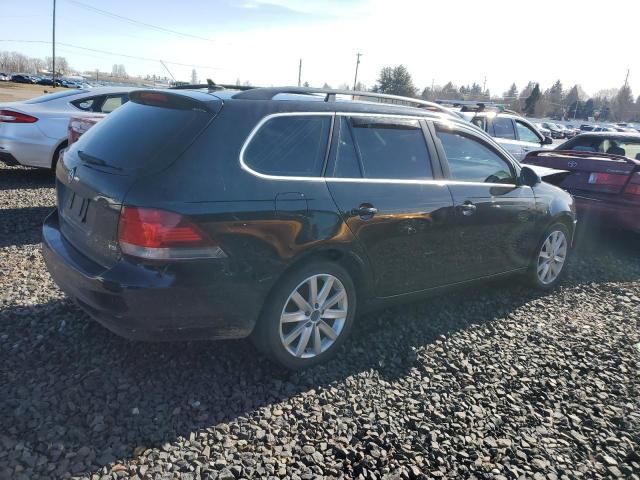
494,214
384,177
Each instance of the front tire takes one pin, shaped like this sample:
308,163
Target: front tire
308,316
550,262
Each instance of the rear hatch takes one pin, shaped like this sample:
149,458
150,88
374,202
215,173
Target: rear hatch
590,173
141,138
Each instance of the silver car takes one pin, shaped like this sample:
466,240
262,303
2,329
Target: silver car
514,133
33,132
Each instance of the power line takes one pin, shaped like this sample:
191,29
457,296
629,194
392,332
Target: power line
136,22
135,57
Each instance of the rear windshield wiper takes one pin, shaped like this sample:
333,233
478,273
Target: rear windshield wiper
96,161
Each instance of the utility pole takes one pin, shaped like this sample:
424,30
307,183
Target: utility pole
355,79
484,85
97,72
53,59
167,69
626,79
300,72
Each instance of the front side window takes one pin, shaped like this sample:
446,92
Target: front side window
503,128
391,148
290,146
526,133
111,103
470,160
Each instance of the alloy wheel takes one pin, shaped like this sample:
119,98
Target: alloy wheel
314,316
552,257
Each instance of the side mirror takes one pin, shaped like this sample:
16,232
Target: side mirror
529,177
547,140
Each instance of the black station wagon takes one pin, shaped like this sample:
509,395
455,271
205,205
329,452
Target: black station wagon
278,213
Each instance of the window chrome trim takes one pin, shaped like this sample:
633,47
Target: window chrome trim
441,182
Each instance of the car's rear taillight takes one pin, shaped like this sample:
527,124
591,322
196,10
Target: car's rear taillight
633,187
607,179
10,116
160,235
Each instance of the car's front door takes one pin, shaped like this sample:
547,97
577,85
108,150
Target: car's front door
495,215
528,138
383,176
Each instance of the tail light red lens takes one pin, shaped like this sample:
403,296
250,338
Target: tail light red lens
633,187
162,235
9,116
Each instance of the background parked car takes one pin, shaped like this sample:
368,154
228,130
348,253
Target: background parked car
33,132
21,78
555,130
571,130
48,81
514,133
604,176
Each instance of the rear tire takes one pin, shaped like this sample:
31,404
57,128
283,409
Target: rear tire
308,316
549,264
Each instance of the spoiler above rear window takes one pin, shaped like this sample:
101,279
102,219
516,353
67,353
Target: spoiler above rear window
176,100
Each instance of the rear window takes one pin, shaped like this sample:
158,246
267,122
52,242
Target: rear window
135,136
293,145
52,96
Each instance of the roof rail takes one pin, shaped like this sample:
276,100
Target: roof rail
477,106
330,96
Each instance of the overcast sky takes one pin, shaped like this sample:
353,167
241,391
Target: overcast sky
585,42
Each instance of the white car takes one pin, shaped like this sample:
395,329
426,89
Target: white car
33,132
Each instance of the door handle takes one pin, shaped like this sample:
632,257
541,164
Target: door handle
468,208
364,211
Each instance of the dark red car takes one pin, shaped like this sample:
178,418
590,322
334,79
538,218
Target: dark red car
604,176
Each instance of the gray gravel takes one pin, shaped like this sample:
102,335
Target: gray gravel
494,382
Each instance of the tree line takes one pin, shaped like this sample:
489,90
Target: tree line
558,102
16,62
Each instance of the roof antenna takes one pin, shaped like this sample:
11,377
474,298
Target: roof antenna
212,85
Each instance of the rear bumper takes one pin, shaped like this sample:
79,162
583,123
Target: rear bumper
187,301
614,215
32,150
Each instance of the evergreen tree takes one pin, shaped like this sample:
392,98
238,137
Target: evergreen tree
532,100
395,81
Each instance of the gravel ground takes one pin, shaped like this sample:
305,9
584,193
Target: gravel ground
493,382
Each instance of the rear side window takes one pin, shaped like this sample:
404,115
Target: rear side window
292,146
503,128
391,148
470,160
345,163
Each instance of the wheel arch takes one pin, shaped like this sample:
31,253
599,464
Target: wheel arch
56,153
